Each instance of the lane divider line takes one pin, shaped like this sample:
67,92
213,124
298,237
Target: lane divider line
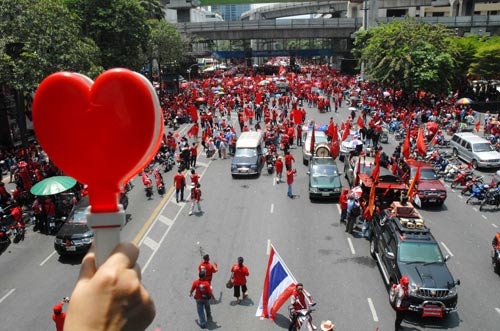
494,225
268,248
484,217
12,291
474,208
447,249
48,258
497,309
338,208
150,243
165,220
351,246
272,208
372,309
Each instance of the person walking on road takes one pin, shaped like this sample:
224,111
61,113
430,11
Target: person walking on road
279,169
399,298
195,198
194,154
194,177
239,274
59,316
288,160
343,204
180,183
202,295
289,180
208,267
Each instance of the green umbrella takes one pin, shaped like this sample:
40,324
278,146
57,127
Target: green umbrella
53,185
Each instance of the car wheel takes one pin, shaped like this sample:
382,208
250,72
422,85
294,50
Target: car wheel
474,164
304,161
373,247
455,152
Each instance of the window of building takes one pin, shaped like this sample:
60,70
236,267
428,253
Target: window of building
396,12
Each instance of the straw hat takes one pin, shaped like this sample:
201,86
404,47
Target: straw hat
327,326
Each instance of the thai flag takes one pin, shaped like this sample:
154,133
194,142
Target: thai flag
278,286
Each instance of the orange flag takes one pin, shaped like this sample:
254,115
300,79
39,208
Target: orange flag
347,131
411,190
406,145
376,170
371,201
421,148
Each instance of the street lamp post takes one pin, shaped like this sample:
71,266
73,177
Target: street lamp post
189,71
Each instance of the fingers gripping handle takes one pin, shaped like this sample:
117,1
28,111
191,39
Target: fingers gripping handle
106,227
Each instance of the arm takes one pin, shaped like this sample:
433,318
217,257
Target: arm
112,297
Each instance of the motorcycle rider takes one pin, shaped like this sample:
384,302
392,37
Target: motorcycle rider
300,299
496,243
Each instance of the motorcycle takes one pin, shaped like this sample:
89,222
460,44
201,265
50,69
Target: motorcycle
491,197
51,225
462,178
479,192
495,259
304,320
18,231
270,163
4,238
471,184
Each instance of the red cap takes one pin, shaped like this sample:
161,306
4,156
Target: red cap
58,308
404,281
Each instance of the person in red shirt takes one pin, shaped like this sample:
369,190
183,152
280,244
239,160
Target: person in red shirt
239,274
279,169
202,295
180,183
300,299
288,160
299,135
343,204
289,180
194,177
195,198
59,316
209,268
194,153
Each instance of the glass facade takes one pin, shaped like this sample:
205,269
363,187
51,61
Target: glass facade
231,12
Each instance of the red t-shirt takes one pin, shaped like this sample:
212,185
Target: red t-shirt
289,177
59,320
209,270
279,165
201,288
179,180
194,178
288,159
239,274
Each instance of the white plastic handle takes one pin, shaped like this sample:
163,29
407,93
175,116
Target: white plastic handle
106,227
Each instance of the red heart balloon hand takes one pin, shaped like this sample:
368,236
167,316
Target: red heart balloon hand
100,133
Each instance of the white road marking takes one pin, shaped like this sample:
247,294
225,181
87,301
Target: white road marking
474,208
201,164
447,249
338,208
351,246
272,208
484,217
494,225
150,243
268,250
372,308
48,258
497,309
12,291
460,196
274,181
165,220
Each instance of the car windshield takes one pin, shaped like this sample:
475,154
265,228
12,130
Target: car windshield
245,152
323,171
317,139
419,252
482,147
79,217
425,173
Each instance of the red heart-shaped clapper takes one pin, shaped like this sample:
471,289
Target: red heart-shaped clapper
100,133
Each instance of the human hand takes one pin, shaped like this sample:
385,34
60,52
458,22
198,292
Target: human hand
112,297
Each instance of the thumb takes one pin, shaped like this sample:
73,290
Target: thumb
88,268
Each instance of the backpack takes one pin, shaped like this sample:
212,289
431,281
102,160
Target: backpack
203,289
356,210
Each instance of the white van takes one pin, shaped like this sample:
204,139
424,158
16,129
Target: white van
475,149
249,155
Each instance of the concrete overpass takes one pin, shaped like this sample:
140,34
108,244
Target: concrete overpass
336,8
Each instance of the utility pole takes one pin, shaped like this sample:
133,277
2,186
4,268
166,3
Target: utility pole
365,27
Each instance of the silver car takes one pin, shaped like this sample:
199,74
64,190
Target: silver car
475,149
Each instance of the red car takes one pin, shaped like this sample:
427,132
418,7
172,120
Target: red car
430,189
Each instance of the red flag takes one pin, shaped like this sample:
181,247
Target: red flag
347,131
361,123
335,147
194,112
478,124
371,200
258,98
406,145
434,139
342,126
376,170
313,140
282,71
421,148
416,178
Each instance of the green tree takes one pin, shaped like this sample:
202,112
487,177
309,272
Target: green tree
153,8
118,27
406,55
40,37
487,60
165,45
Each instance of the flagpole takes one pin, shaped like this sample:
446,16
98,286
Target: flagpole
284,265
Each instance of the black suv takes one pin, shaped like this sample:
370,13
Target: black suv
404,246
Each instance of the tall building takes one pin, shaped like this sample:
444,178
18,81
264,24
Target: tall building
231,12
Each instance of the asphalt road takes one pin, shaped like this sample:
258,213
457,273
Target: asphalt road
240,218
